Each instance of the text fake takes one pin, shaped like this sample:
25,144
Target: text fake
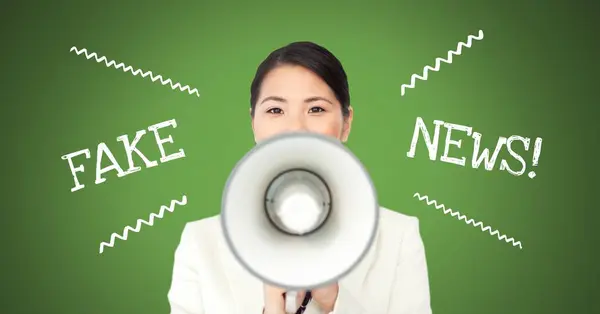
130,148
478,157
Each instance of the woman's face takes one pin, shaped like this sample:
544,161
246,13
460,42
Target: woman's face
294,99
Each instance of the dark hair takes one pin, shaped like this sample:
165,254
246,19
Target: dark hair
312,57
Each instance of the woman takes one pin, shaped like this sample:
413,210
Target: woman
302,87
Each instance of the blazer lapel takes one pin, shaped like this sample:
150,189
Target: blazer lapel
246,290
358,277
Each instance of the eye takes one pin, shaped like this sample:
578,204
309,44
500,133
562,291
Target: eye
316,110
275,111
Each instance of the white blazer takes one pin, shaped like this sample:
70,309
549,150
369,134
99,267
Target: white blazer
391,279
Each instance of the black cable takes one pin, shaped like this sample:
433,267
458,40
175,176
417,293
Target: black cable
307,299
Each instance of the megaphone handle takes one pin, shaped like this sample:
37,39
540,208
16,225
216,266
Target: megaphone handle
290,302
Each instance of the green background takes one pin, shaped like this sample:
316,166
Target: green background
534,74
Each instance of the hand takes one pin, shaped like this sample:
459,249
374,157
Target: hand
326,297
274,301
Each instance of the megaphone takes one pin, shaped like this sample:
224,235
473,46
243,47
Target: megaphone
299,211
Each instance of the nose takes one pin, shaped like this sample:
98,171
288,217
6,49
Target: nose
296,124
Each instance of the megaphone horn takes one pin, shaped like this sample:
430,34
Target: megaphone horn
299,211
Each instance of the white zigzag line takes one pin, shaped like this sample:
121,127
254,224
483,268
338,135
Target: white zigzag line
138,226
438,62
135,72
469,221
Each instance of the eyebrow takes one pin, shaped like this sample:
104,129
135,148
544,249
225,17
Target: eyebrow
307,100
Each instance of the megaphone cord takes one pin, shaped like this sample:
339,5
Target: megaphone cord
307,299
305,302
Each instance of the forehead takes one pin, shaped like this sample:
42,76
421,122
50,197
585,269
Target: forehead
294,80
